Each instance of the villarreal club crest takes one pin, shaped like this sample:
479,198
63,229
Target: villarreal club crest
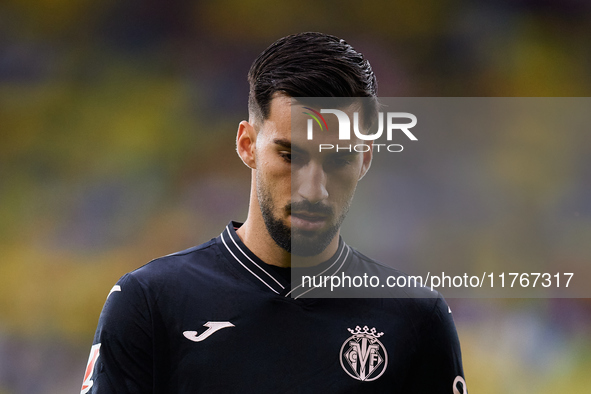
363,356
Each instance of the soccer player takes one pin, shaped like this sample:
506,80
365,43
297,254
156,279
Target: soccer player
224,317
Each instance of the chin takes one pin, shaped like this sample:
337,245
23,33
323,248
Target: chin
310,243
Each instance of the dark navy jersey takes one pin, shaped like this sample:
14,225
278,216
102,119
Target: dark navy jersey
217,319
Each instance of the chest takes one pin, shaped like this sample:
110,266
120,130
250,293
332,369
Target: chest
224,344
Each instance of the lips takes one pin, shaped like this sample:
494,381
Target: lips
307,221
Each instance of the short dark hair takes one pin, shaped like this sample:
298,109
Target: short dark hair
311,65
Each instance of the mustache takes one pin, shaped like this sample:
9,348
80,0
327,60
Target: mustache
307,206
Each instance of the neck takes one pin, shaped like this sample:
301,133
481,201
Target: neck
254,234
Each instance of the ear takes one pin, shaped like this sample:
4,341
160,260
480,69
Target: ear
367,156
246,143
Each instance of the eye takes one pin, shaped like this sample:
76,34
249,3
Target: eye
341,161
285,156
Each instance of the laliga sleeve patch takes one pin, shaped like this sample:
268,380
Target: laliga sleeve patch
94,355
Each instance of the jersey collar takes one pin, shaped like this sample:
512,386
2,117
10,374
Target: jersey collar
247,262
269,277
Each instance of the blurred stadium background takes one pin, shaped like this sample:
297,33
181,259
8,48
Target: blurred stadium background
117,123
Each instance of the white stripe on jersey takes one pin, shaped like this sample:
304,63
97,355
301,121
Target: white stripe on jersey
259,267
241,263
337,270
114,288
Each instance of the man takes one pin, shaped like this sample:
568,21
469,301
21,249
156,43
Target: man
224,317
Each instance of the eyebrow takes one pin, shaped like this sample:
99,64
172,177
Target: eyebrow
283,142
345,153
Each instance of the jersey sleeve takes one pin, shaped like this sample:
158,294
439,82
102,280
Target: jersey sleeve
121,357
438,368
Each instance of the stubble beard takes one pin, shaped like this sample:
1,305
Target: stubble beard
297,242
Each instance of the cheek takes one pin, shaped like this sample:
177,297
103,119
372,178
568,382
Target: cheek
276,182
278,170
272,166
343,187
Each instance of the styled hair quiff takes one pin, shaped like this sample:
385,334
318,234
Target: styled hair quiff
311,65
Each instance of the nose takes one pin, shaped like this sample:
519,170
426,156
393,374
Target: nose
310,182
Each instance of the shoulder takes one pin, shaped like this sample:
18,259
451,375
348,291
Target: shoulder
176,270
391,282
172,264
364,262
